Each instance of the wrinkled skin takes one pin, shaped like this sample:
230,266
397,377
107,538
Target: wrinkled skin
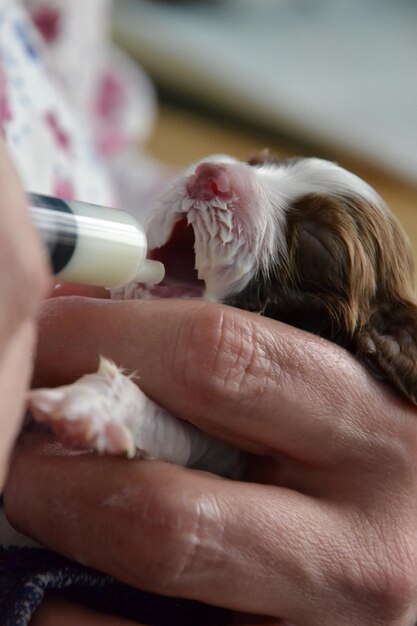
23,282
321,531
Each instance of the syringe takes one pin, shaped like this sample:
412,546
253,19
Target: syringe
92,244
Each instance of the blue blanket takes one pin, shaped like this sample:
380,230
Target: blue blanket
27,573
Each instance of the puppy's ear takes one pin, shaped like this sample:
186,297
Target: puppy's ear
388,346
357,259
387,342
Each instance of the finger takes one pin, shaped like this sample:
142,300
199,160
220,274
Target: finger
77,289
256,382
176,532
15,371
23,268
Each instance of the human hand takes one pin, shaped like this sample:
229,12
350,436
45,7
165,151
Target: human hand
23,281
321,530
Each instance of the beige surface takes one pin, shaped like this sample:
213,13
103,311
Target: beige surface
180,137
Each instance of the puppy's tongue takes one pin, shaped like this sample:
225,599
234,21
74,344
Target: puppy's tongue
209,181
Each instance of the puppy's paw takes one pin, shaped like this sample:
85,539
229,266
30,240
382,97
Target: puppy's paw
93,412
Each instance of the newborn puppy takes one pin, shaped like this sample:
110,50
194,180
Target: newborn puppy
302,241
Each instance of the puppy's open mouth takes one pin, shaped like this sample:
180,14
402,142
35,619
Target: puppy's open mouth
194,227
178,256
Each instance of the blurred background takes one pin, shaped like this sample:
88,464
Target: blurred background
333,78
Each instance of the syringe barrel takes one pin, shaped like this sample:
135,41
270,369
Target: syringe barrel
92,244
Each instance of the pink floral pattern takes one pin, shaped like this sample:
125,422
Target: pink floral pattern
73,109
5,110
111,95
61,137
63,188
47,21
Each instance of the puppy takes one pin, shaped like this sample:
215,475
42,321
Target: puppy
302,241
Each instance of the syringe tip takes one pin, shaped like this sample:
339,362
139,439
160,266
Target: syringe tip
151,272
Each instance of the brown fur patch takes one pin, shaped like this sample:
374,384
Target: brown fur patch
348,277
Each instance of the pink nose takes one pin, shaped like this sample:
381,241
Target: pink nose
209,181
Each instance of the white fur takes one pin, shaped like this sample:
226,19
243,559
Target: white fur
109,413
231,246
291,180
228,251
